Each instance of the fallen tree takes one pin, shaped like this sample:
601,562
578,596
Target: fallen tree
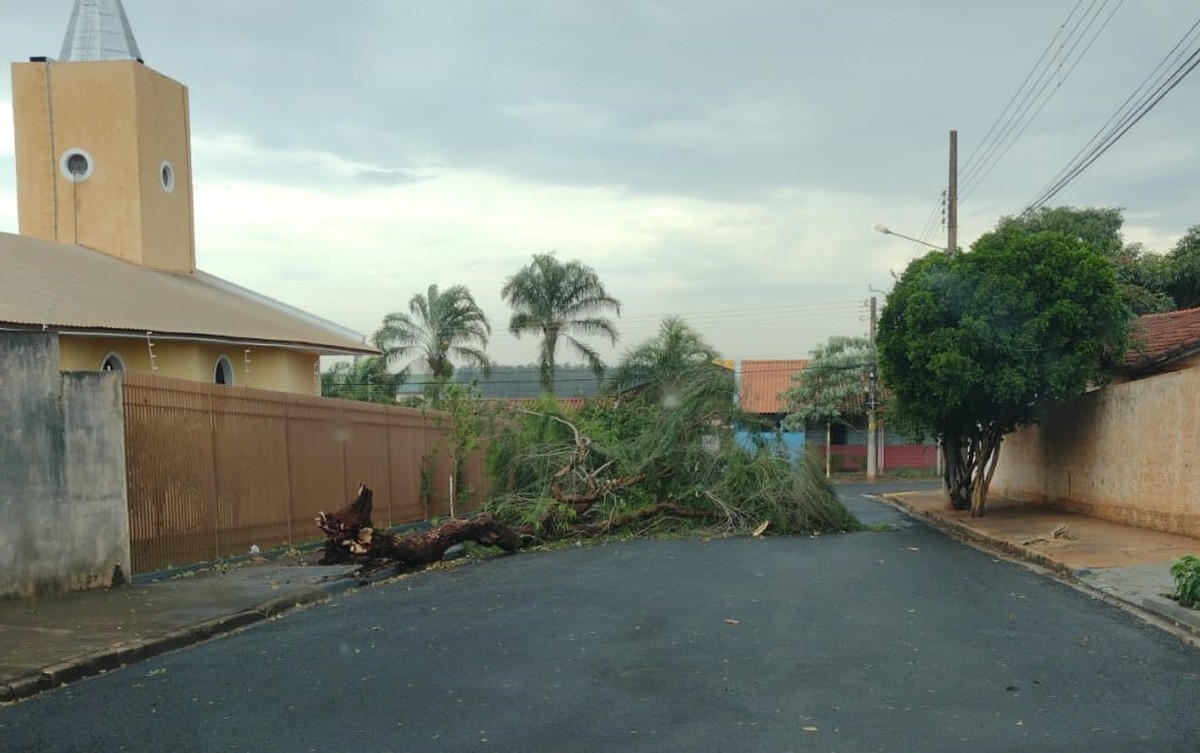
657,455
351,537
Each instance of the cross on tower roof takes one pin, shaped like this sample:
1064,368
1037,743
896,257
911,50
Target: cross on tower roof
99,30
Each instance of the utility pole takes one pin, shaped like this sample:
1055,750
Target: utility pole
952,198
872,403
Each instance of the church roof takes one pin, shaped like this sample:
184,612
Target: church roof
73,289
99,30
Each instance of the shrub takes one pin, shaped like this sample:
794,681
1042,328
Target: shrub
1186,572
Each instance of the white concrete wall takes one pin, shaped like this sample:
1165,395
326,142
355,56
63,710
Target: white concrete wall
1129,453
64,521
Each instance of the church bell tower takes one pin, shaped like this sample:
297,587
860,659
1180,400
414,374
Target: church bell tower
103,146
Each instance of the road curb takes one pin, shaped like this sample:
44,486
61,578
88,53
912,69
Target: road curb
970,535
124,654
1161,607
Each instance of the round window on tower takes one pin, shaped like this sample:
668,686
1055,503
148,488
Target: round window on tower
76,165
166,175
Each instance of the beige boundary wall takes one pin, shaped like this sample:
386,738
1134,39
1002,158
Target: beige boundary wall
1129,453
213,470
108,474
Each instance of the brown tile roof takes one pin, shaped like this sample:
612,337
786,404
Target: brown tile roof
1158,338
760,382
70,288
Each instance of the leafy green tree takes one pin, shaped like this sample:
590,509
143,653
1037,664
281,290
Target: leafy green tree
439,325
1146,280
556,300
1185,271
1097,227
366,379
1139,276
830,389
972,345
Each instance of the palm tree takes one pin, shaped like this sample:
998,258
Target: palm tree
439,325
366,379
554,300
663,365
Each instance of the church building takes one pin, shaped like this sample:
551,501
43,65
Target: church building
105,257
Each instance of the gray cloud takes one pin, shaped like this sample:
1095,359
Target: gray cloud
389,176
700,97
715,100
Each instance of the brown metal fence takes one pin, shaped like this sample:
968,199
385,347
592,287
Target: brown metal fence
212,469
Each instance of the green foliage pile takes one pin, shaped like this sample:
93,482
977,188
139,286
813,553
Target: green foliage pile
667,440
695,465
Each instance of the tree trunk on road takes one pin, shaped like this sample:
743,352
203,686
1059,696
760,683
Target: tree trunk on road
351,537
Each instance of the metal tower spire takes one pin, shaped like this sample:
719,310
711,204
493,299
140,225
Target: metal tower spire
99,30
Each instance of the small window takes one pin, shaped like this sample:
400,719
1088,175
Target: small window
76,165
223,373
166,175
112,362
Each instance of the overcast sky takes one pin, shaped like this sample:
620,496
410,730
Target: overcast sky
725,160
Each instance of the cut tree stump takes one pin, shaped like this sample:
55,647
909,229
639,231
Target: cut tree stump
350,537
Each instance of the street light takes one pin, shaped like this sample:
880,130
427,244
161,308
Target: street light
889,231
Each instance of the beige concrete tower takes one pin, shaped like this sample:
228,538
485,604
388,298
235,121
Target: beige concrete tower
103,146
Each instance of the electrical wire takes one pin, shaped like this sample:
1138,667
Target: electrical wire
986,142
1040,93
986,171
1126,116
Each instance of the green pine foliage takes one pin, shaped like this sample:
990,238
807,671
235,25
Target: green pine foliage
667,440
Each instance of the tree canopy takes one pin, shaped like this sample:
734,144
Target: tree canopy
830,388
558,300
972,345
1184,274
439,325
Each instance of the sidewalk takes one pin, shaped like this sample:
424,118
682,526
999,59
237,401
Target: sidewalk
48,641
1131,565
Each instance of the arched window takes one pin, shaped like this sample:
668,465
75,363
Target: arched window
112,362
223,373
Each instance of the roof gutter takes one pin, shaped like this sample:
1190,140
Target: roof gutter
319,348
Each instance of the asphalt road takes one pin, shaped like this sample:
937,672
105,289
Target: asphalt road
895,640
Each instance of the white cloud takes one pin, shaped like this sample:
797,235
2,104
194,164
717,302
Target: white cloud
354,255
7,138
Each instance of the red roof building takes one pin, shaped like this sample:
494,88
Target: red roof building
1163,342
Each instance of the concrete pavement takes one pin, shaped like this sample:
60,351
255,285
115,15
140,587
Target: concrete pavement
1131,565
50,641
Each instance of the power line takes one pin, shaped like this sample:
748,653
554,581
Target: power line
1040,93
1126,116
1025,95
985,143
